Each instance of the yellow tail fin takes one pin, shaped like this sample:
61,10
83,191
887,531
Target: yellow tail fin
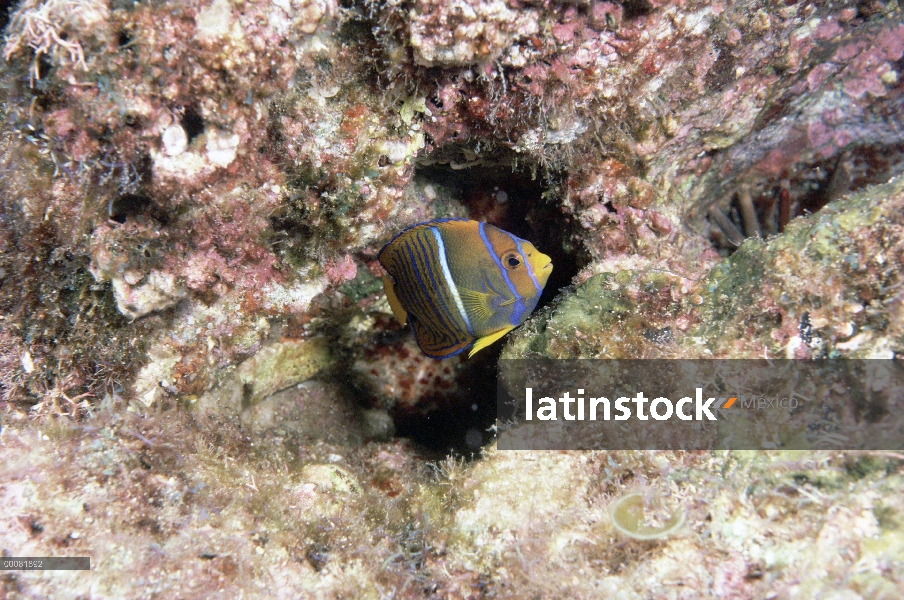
487,340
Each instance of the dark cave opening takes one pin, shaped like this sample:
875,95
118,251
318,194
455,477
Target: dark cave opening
6,9
636,8
523,201
123,38
193,123
462,421
127,205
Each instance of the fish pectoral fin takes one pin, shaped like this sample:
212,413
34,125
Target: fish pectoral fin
486,340
478,305
489,285
400,313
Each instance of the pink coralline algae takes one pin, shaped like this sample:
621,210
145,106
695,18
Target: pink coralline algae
870,67
341,270
399,377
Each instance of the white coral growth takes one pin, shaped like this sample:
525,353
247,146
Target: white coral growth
51,27
464,32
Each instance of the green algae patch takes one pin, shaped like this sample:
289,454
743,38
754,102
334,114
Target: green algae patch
731,288
411,106
820,269
738,274
591,308
832,231
610,315
595,303
363,285
281,365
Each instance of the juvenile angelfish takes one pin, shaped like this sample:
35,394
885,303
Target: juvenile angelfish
461,283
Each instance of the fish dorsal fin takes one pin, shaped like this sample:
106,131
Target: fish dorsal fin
487,340
477,304
419,227
394,303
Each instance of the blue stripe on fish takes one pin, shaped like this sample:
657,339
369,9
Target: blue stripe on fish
518,309
414,294
444,263
406,275
424,300
530,269
439,352
417,225
445,315
441,334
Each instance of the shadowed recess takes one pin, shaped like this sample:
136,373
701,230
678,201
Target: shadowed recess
461,425
128,205
6,9
192,123
521,203
764,207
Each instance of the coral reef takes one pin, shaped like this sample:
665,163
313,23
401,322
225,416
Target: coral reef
202,385
828,287
167,505
226,170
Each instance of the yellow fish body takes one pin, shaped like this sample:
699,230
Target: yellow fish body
461,283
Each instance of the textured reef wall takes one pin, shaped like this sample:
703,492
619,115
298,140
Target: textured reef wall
202,382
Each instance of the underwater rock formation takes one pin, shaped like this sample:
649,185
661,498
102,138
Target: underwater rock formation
198,366
828,287
191,179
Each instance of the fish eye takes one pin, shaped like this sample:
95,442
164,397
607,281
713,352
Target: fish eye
512,260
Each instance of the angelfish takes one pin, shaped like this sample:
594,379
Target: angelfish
461,284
